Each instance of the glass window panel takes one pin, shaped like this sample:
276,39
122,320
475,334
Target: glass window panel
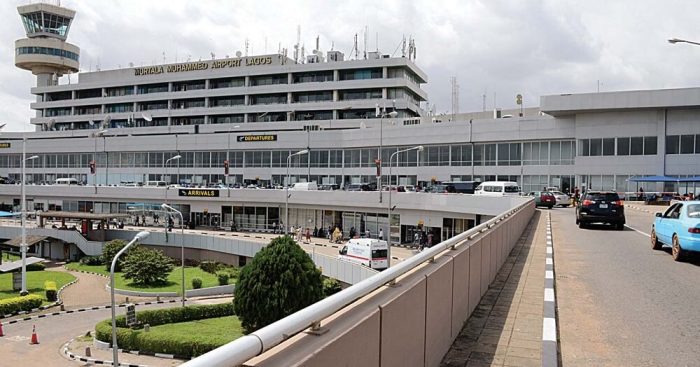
687,144
585,147
623,146
650,143
672,144
636,146
596,147
609,146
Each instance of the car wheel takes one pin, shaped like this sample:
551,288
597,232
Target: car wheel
549,207
564,205
581,224
655,244
577,222
620,226
677,252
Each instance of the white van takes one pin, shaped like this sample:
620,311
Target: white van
497,188
305,186
366,251
156,184
67,181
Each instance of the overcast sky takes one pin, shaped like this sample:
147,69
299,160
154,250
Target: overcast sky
494,48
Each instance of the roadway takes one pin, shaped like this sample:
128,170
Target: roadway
619,302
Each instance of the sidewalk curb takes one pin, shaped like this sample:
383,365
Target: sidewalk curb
93,308
76,357
550,347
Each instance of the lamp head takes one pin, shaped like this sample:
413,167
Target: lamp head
302,152
141,235
420,148
393,114
176,157
673,40
32,157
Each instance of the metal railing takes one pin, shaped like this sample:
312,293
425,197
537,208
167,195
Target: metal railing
249,346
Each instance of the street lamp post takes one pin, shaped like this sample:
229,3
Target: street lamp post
166,163
96,135
677,40
24,216
388,210
115,348
286,190
228,157
182,245
382,115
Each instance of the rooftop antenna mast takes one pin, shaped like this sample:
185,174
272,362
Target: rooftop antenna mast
403,46
354,47
246,47
364,44
455,96
297,45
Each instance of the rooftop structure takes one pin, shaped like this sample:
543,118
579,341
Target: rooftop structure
45,51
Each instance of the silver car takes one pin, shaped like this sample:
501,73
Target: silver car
562,199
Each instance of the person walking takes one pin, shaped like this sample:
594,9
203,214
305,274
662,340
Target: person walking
308,235
381,234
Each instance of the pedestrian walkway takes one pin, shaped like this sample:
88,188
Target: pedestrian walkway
89,290
505,329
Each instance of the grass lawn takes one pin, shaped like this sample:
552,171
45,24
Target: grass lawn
35,282
219,330
173,284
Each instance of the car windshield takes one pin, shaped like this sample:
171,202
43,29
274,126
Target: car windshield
511,189
694,210
603,196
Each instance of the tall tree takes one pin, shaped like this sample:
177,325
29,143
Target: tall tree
280,280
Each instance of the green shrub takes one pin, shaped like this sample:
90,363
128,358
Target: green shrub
196,283
146,266
209,266
91,260
23,303
137,340
280,280
51,292
36,267
223,278
331,287
110,250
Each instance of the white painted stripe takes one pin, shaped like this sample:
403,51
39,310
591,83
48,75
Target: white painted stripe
549,249
549,274
549,243
638,231
548,261
549,237
549,329
549,295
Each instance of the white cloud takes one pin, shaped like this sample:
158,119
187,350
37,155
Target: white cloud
493,47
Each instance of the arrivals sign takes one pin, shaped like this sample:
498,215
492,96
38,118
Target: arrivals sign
205,65
199,193
256,138
5,145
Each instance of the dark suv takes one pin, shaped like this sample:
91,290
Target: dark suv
600,207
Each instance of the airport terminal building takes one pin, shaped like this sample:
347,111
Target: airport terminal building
236,120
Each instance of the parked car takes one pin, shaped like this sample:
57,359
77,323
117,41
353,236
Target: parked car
601,207
678,227
358,187
544,198
562,199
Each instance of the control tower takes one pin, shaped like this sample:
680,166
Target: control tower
45,51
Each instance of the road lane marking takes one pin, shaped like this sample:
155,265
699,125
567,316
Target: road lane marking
548,261
549,249
549,295
638,231
549,274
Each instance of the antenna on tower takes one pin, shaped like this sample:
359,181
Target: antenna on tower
376,41
317,43
354,47
213,56
364,43
403,46
297,45
246,47
455,96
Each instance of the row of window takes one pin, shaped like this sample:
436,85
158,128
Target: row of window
683,144
258,99
501,154
47,51
45,22
272,79
638,145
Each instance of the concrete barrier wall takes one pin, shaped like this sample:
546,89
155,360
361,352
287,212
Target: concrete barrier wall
414,322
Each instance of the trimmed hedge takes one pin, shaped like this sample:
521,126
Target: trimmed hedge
91,260
36,267
196,283
223,278
51,292
23,303
130,339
